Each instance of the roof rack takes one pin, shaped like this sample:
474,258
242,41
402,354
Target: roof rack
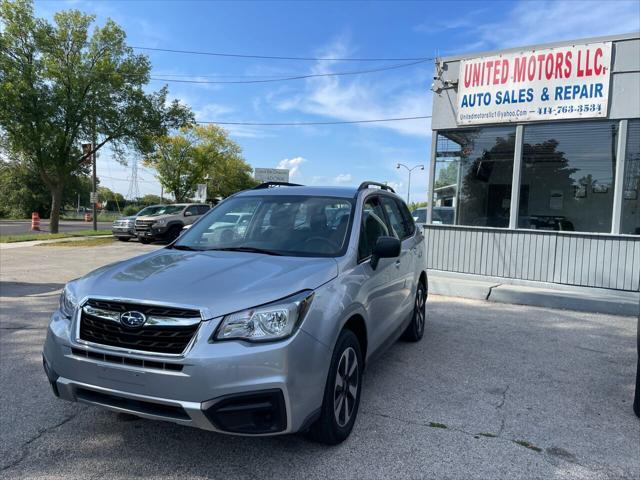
275,184
365,185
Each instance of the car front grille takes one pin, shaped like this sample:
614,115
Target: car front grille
143,225
168,330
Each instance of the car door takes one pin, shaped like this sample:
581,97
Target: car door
191,214
381,289
405,263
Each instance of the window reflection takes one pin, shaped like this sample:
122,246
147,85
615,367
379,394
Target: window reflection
474,169
567,176
631,197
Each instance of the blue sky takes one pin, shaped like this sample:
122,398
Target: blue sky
343,154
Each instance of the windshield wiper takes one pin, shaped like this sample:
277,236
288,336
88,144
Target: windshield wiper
247,249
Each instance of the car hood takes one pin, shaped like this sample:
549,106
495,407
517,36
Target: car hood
132,217
156,217
216,282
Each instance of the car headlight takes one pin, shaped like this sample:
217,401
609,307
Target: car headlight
159,222
273,321
68,301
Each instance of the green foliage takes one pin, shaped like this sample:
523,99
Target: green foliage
413,205
447,175
150,199
22,192
115,201
198,153
62,85
130,210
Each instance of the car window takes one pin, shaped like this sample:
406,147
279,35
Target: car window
398,227
202,209
372,227
193,210
420,215
410,225
298,225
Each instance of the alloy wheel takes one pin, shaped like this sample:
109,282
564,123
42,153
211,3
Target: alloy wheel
345,392
420,309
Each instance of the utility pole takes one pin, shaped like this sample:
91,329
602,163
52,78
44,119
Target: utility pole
421,167
94,181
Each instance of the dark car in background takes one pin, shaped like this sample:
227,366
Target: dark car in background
124,228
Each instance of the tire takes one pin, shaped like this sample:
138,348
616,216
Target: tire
340,405
144,241
415,330
174,232
123,239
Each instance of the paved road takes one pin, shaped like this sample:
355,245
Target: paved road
560,380
16,227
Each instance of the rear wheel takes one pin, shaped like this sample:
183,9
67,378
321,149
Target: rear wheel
415,330
342,392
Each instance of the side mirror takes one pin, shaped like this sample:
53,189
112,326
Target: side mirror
385,247
187,214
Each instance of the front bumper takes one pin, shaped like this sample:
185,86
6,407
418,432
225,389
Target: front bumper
123,232
232,387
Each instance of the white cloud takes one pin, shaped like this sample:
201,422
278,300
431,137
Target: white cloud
342,178
531,22
364,97
292,164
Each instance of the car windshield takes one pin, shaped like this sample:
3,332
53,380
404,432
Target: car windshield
168,210
149,210
274,224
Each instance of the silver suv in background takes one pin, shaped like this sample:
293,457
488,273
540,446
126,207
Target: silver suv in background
257,327
168,222
124,228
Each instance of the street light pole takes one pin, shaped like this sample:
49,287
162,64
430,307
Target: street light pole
421,167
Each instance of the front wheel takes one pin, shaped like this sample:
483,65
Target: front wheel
144,241
415,330
342,392
123,239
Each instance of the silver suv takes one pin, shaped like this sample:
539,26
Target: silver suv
248,327
167,222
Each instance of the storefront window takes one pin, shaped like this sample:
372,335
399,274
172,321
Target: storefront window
474,169
631,184
568,170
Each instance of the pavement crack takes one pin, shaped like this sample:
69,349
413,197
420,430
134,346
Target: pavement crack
42,432
491,287
503,417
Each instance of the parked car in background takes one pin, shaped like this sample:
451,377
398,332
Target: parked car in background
124,228
167,222
263,331
441,215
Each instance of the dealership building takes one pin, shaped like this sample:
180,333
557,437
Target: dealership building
535,164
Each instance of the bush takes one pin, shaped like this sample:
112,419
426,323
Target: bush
130,210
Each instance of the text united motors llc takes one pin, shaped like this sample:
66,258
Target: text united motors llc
535,85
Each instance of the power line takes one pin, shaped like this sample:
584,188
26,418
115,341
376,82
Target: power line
296,77
343,122
277,57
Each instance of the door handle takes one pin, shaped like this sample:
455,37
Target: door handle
398,263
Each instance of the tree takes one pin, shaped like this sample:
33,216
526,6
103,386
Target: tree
151,199
447,175
115,201
197,154
61,85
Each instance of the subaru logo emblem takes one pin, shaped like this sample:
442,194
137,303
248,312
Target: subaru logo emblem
132,319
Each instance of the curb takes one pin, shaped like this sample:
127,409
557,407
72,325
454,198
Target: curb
538,294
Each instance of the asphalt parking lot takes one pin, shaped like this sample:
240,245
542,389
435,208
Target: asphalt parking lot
493,391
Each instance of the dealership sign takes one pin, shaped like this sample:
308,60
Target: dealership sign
548,84
271,174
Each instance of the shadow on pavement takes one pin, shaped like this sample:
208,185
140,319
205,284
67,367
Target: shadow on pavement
23,289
